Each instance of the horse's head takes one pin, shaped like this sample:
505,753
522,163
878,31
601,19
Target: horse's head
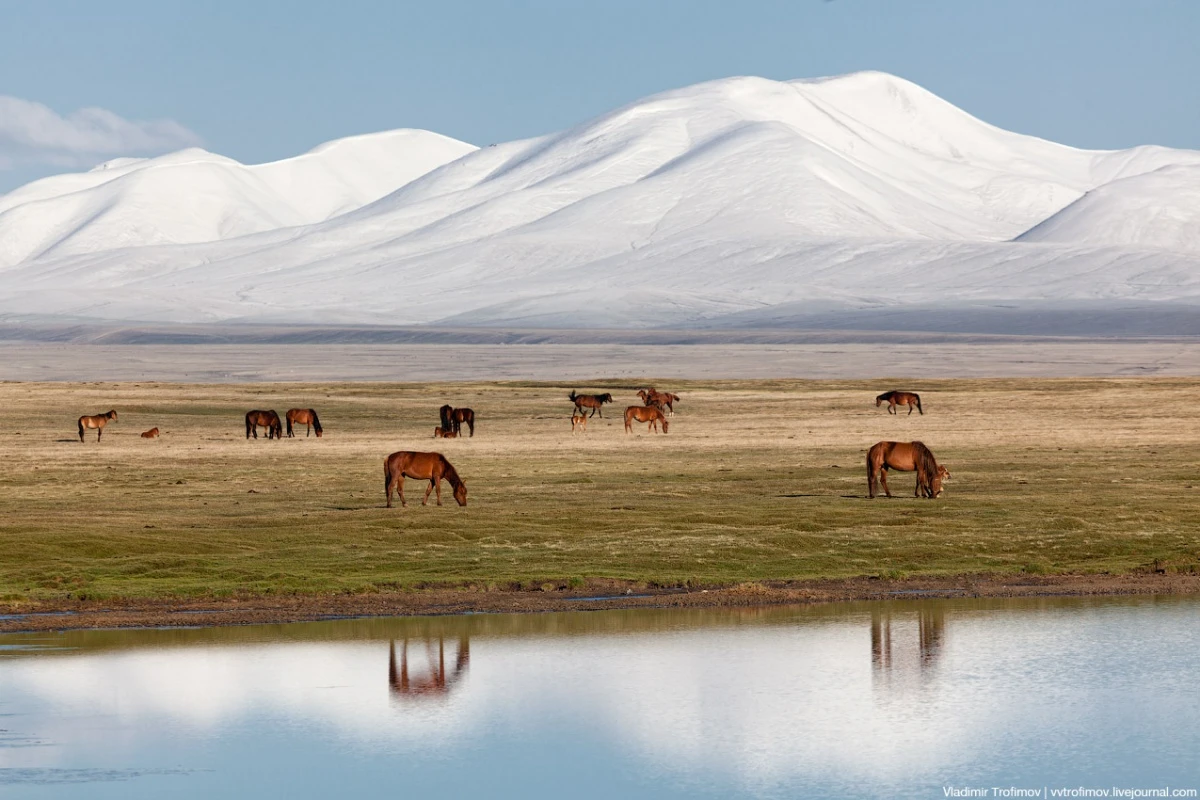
642,394
437,433
112,415
460,493
943,473
879,401
665,424
935,486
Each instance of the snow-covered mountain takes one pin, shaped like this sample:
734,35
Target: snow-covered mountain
738,199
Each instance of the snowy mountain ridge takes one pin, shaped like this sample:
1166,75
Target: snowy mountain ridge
722,200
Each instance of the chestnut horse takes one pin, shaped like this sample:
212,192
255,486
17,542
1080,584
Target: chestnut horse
442,433
98,422
430,467
893,399
150,434
306,417
436,681
593,401
461,415
267,419
651,414
905,457
652,397
578,422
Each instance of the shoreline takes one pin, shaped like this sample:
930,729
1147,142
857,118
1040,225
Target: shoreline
595,595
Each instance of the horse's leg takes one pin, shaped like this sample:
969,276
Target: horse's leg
471,425
400,489
883,471
99,432
387,485
910,408
432,483
437,484
81,432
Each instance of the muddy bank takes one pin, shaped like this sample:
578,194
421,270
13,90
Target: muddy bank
596,595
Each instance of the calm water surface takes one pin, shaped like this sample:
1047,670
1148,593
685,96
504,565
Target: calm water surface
892,699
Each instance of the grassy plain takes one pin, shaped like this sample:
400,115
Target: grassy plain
757,481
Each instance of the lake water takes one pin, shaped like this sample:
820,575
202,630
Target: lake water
899,699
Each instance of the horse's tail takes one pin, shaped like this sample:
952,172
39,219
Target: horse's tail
316,422
387,479
572,396
288,417
918,399
249,424
926,465
871,470
81,429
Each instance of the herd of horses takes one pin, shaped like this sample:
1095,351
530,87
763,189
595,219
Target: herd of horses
656,405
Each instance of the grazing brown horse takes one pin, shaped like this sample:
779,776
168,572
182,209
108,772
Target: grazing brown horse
578,422
461,415
664,400
650,414
430,467
905,457
306,417
593,401
442,433
98,422
150,434
267,419
893,399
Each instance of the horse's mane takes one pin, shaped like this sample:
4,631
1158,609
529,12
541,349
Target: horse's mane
316,422
885,396
925,463
450,473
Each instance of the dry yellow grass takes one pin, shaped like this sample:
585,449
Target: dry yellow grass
757,480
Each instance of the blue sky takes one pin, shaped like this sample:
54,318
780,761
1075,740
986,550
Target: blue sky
268,79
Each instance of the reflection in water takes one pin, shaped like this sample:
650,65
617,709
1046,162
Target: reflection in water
748,702
432,682
930,636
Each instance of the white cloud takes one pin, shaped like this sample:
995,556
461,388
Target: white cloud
31,133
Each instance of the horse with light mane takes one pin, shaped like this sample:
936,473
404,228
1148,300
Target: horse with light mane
98,422
432,467
649,414
593,401
268,420
306,417
893,399
905,457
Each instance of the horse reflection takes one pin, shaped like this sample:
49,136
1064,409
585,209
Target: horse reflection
931,632
433,682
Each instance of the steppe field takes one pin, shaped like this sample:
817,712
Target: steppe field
756,481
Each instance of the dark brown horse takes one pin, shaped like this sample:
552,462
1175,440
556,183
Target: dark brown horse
98,422
593,401
306,417
445,414
650,414
267,419
664,400
150,434
893,399
430,467
905,457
